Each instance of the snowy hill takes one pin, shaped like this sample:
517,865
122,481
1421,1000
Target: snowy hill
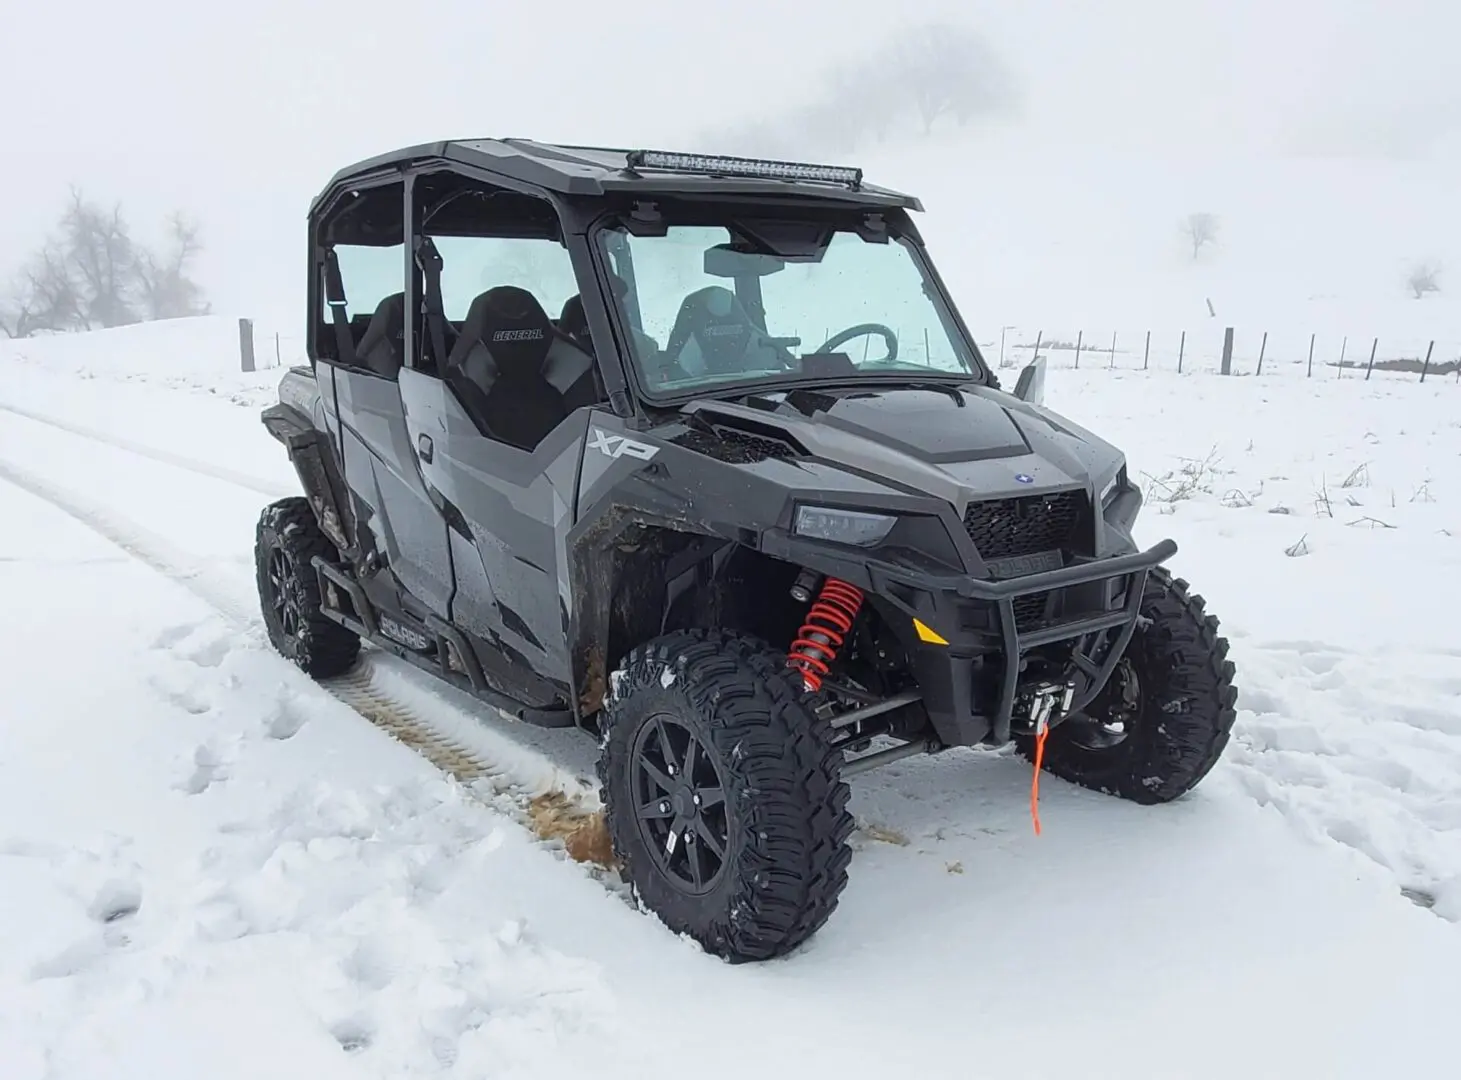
213,866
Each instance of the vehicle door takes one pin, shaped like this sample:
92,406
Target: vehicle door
366,417
509,505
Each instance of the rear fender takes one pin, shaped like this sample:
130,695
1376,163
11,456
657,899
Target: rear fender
314,461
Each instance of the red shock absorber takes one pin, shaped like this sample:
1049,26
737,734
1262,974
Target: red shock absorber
829,621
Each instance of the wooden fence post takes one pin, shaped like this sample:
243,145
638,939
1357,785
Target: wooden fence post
1262,349
1425,367
1227,365
1371,365
1181,352
246,343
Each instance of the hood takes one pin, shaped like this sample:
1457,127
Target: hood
949,442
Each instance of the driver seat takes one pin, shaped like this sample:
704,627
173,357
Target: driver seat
713,335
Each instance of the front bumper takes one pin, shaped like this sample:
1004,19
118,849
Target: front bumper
1094,658
970,680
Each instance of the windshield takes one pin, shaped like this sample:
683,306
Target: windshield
756,301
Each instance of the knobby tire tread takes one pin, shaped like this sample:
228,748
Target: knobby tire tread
790,852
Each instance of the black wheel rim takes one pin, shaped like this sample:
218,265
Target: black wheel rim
679,804
283,597
1111,719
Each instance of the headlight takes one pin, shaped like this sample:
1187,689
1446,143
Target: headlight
1113,488
842,526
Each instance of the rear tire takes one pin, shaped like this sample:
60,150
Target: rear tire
287,539
1161,723
762,799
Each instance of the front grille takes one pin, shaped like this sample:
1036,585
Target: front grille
734,447
1026,525
1030,611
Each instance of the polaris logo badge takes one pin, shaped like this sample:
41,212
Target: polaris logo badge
1022,565
530,334
617,446
404,635
1024,478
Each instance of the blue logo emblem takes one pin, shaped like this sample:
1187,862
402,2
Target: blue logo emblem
1024,478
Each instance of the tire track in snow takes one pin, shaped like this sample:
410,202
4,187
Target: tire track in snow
144,545
216,472
552,813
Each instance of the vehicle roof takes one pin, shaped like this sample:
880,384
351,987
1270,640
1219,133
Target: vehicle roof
597,171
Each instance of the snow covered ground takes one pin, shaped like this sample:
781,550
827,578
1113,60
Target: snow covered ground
212,866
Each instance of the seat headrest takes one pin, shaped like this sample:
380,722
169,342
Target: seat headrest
513,327
381,346
392,309
714,318
572,319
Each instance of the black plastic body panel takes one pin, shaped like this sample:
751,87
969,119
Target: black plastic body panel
319,474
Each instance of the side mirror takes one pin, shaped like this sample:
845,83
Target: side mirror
1030,386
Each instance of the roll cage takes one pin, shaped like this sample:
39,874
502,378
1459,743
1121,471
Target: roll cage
583,190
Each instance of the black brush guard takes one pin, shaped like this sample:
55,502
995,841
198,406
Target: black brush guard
945,673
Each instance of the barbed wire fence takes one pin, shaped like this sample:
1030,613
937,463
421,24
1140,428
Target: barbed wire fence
1228,351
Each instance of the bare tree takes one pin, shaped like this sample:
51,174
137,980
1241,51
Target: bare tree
926,72
101,261
945,68
44,296
1201,229
164,280
91,275
1424,277
862,100
16,320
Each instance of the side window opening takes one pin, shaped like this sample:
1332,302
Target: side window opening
364,253
375,305
516,347
473,264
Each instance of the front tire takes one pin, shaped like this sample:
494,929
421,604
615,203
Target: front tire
723,794
288,537
1161,723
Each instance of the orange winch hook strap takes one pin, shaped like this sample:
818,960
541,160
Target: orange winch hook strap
1035,780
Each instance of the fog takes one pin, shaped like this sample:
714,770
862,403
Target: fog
238,115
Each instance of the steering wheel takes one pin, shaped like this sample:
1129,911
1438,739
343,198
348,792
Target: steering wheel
860,330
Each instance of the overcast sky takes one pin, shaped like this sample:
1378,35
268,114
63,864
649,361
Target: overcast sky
239,112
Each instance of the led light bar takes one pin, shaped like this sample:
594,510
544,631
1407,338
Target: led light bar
758,168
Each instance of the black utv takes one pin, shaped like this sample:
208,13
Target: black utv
697,454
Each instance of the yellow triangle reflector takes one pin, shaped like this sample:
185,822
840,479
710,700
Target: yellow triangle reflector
928,634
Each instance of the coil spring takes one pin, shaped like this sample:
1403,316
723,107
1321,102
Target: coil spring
829,620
